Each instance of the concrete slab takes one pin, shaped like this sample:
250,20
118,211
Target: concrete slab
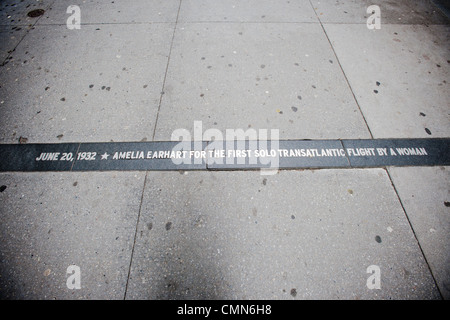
392,12
259,76
9,38
114,12
52,221
15,22
15,12
400,76
294,235
246,11
99,83
425,194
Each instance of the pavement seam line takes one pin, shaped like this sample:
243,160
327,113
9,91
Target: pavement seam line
135,235
343,72
165,74
75,160
414,233
346,155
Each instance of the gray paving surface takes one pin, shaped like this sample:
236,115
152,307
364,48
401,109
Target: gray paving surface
52,221
244,80
410,79
195,244
138,70
428,215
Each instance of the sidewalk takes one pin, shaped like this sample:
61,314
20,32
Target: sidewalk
139,70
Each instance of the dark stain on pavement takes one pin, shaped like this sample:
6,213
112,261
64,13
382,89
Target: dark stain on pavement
36,13
23,140
294,292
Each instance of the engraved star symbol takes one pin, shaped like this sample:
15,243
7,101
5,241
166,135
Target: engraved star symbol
105,156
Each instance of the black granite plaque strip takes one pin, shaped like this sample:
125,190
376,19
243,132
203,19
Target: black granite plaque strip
225,155
37,157
397,152
284,154
166,155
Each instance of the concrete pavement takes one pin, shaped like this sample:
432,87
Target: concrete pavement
138,70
